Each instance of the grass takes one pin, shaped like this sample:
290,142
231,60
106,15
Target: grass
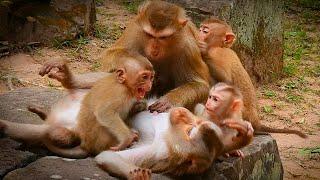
269,93
310,150
132,6
267,109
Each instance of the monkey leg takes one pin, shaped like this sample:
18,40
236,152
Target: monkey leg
116,165
33,133
62,137
74,153
39,111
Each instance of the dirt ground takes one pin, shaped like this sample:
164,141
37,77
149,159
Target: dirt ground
292,102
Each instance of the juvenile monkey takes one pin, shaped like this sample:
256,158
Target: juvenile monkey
86,122
177,143
224,106
108,104
215,39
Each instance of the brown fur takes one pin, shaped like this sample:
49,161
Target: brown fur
181,75
225,66
104,110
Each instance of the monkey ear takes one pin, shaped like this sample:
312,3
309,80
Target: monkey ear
121,75
230,37
237,105
183,22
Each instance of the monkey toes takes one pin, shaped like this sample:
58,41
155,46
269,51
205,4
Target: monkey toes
140,174
179,115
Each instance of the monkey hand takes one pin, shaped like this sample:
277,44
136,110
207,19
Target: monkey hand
56,70
139,106
203,46
139,174
133,137
235,153
162,105
245,131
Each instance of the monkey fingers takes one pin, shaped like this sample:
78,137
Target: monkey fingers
134,136
242,128
59,76
48,66
236,153
140,174
160,106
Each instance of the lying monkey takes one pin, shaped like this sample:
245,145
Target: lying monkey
94,118
177,142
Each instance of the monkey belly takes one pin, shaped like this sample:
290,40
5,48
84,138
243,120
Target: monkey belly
65,112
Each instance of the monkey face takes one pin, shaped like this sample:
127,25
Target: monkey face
142,83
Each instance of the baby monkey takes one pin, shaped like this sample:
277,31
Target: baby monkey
215,39
87,122
224,108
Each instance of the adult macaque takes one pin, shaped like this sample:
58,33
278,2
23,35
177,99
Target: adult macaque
176,142
95,118
162,33
224,107
216,38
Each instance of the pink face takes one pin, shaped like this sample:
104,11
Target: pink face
203,32
158,43
216,102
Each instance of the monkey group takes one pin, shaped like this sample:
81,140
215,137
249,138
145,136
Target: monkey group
161,54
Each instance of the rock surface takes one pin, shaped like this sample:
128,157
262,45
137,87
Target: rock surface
258,26
23,21
262,159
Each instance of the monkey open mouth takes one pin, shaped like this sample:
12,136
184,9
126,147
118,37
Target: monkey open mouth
141,93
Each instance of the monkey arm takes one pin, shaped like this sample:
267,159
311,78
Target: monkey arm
113,123
86,81
193,92
243,138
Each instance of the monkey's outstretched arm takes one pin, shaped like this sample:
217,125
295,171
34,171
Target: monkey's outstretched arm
188,94
87,80
67,78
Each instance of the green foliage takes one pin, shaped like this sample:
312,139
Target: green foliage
293,98
291,85
108,32
309,151
269,93
132,6
267,109
314,4
95,66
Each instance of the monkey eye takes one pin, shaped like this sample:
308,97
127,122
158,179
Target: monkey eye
145,77
215,98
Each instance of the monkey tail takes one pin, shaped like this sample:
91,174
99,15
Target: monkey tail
74,153
40,112
263,128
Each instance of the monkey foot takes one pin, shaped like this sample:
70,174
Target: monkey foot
140,174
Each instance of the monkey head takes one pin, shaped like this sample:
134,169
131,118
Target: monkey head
216,33
193,140
160,21
137,75
223,101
